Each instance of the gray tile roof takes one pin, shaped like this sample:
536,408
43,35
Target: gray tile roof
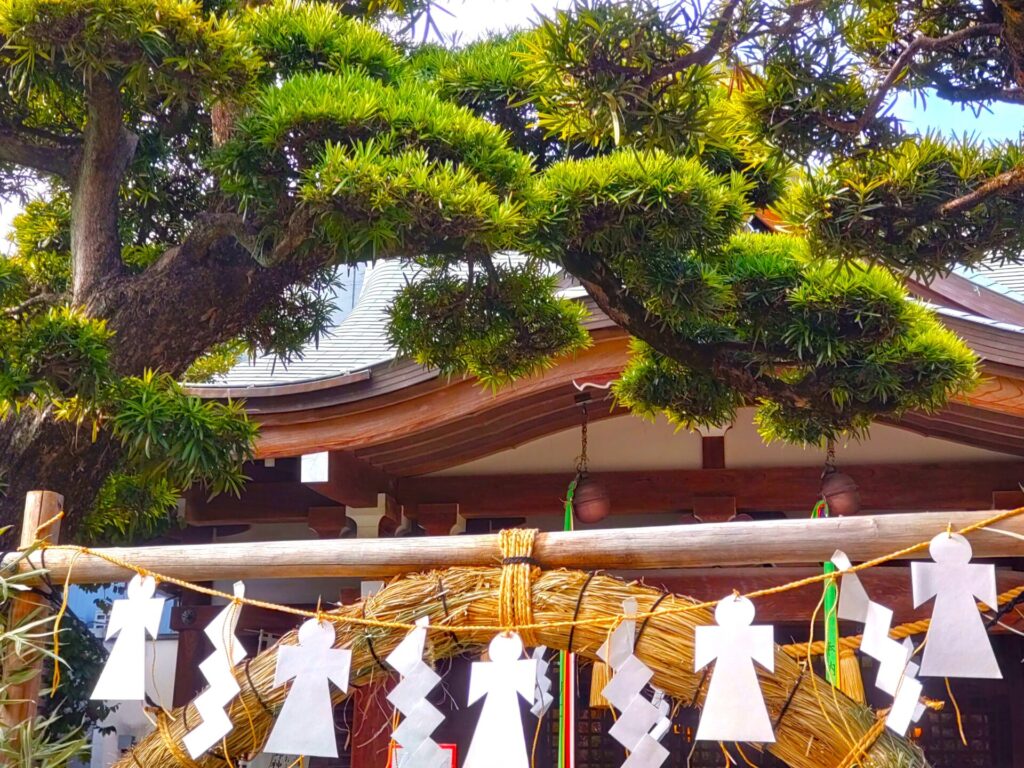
1007,279
358,342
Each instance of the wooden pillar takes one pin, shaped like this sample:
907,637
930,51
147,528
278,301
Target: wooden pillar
191,641
41,521
371,724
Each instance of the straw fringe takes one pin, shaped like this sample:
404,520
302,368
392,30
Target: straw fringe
473,599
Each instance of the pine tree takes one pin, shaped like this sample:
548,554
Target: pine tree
196,173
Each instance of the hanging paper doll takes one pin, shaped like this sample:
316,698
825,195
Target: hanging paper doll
124,674
498,741
957,643
734,708
305,725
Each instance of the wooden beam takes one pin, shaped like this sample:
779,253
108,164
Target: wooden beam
260,502
883,487
653,547
328,522
712,451
351,481
410,417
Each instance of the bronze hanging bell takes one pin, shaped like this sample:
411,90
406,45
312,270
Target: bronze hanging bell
840,492
590,501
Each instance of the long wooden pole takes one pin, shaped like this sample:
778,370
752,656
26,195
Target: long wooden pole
679,546
40,507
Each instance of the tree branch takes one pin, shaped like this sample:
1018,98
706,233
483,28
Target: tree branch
39,298
903,63
37,155
702,55
107,148
1006,183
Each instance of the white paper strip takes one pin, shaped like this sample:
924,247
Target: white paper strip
217,669
305,725
957,643
419,750
896,673
131,619
498,741
853,598
734,708
542,698
641,723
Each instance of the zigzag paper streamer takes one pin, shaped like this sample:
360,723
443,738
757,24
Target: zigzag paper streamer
217,669
896,673
420,717
543,698
640,719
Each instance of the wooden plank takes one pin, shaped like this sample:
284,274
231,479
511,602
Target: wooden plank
653,547
883,487
41,521
712,451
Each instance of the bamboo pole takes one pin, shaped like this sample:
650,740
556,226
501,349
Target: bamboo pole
40,507
681,546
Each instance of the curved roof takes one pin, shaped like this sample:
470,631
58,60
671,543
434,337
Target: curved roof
351,393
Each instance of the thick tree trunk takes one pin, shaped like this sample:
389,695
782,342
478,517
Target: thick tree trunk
200,293
39,453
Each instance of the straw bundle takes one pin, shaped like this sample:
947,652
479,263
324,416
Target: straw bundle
815,731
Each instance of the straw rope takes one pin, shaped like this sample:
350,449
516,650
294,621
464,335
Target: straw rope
519,597
803,739
515,604
860,750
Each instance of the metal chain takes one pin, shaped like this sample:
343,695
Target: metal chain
581,462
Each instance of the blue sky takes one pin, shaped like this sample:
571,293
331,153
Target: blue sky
472,20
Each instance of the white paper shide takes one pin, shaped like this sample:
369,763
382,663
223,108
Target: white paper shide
641,723
218,671
734,708
131,619
419,716
957,643
897,674
305,725
498,741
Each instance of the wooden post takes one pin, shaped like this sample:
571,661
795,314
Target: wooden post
41,508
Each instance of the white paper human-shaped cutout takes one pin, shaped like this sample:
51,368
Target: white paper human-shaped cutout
131,619
305,725
217,669
957,643
498,741
542,698
420,717
734,708
638,726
